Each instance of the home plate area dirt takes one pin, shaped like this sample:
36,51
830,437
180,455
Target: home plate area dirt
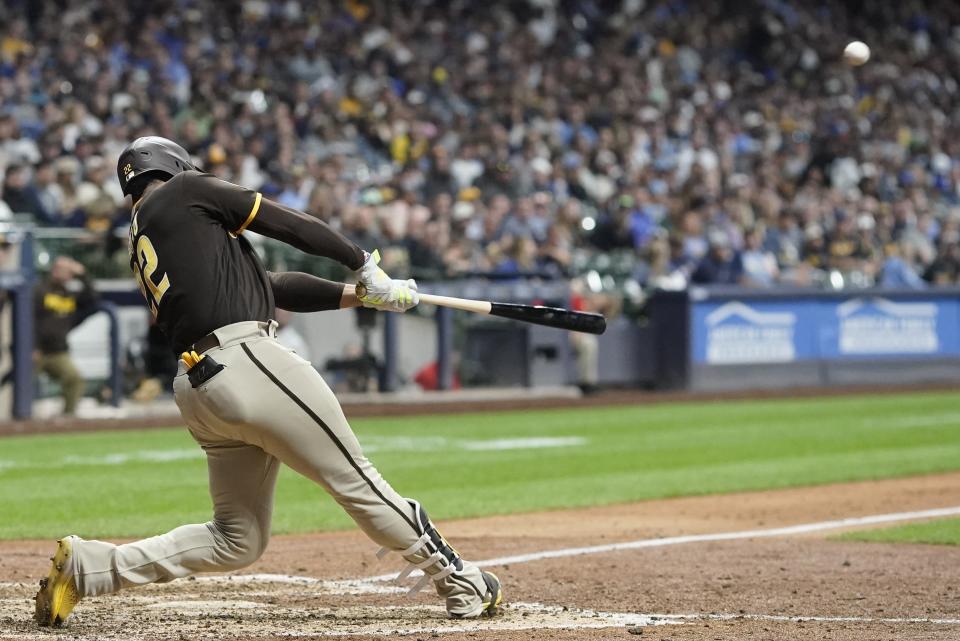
687,585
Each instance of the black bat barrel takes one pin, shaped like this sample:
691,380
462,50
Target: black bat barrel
551,317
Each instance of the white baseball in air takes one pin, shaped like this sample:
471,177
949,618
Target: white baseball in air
856,53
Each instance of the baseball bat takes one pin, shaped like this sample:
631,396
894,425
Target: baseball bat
536,314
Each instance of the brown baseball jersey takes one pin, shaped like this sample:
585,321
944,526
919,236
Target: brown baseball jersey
197,271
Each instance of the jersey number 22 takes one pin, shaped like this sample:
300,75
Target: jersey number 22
146,263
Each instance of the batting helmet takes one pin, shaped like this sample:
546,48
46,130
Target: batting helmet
151,155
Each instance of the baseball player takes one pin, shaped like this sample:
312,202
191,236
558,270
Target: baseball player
248,401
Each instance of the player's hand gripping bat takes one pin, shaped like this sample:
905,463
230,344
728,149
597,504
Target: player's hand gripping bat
536,314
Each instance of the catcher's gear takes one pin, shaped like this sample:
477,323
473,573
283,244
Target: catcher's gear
58,593
377,290
151,155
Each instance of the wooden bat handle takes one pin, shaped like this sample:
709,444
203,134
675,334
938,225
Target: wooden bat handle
475,306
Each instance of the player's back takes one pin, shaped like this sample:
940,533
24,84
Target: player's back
195,272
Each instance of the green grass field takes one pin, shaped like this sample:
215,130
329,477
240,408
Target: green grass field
940,532
113,484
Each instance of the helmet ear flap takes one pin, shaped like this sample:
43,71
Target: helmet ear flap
138,184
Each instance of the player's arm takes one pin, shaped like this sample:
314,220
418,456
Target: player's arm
299,292
307,233
239,209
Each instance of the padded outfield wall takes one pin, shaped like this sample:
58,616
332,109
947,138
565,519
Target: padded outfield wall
723,338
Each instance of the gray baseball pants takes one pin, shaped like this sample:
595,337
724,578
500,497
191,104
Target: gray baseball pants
269,406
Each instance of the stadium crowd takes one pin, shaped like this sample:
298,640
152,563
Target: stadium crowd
665,142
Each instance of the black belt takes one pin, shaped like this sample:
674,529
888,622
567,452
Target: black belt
210,341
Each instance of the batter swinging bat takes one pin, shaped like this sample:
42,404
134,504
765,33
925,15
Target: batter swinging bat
536,314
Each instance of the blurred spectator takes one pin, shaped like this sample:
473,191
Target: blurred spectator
620,122
8,259
21,196
520,257
359,224
898,270
586,347
44,179
63,299
814,247
848,251
680,262
759,265
945,269
785,239
722,265
428,377
665,266
526,222
99,196
556,252
67,193
425,247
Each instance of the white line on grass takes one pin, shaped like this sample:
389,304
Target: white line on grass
919,420
534,443
371,444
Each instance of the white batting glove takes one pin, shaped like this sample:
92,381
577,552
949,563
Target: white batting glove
403,296
373,283
377,290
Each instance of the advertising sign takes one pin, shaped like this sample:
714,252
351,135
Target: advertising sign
785,330
880,326
737,333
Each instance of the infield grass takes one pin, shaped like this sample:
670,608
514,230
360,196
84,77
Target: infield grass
134,483
939,532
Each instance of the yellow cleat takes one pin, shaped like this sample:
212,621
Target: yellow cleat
58,593
494,594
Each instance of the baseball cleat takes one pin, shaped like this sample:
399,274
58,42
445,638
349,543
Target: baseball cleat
491,604
491,601
58,593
